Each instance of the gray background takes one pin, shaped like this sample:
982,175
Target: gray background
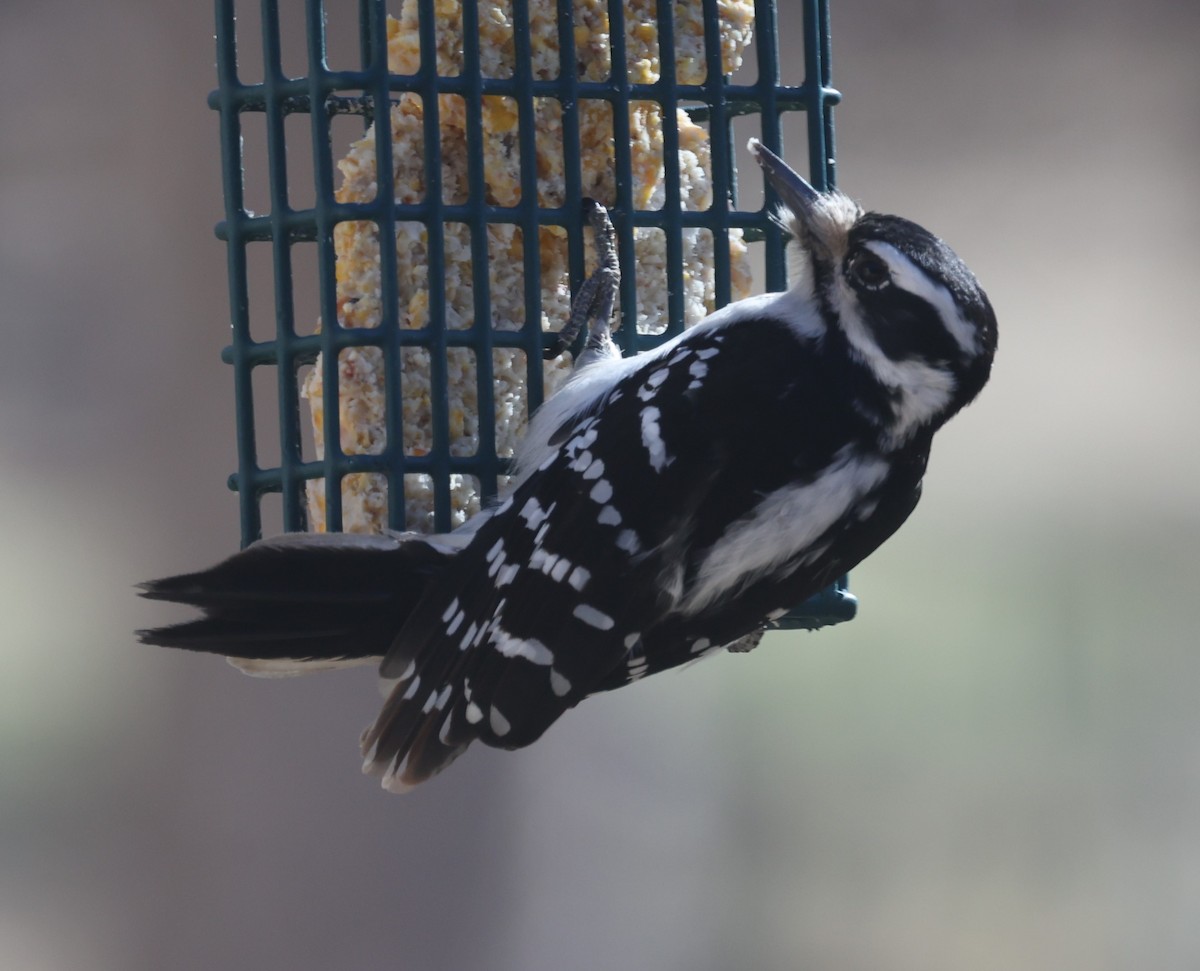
996,766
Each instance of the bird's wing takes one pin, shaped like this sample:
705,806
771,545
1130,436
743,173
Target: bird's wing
868,520
554,588
558,587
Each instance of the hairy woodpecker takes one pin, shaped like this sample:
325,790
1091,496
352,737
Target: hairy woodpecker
665,506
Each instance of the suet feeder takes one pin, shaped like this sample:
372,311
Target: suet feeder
401,390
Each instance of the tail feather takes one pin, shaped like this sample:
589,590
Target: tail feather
302,598
297,568
265,631
279,667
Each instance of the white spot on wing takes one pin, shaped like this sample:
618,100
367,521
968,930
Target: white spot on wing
652,439
653,382
609,517
531,650
586,437
602,491
558,684
498,722
533,514
472,630
579,578
588,388
593,617
497,563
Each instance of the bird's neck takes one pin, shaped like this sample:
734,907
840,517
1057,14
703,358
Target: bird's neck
888,418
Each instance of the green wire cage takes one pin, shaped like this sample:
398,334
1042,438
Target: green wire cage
504,115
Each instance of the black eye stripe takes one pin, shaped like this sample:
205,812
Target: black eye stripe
905,326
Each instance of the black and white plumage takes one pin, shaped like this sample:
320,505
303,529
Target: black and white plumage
666,505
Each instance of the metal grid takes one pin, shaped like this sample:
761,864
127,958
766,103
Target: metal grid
715,103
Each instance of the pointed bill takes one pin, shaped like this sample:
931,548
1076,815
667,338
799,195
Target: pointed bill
793,191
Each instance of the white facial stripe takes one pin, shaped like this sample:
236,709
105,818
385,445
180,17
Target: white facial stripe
924,391
908,276
911,377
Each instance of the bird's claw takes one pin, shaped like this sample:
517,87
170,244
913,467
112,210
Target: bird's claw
594,301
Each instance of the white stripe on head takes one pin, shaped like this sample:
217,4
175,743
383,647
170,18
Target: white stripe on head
923,389
908,276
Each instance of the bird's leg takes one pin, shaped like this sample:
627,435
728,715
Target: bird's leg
605,280
593,303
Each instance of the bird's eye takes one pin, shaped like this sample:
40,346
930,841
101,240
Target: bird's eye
868,271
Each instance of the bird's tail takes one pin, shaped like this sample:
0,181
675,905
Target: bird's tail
303,601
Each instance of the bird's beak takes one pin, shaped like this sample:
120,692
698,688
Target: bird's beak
793,191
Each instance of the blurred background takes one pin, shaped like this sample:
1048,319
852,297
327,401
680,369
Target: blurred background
996,766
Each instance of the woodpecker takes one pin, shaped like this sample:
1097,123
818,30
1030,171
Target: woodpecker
665,506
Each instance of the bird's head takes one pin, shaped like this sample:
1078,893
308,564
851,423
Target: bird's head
907,308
